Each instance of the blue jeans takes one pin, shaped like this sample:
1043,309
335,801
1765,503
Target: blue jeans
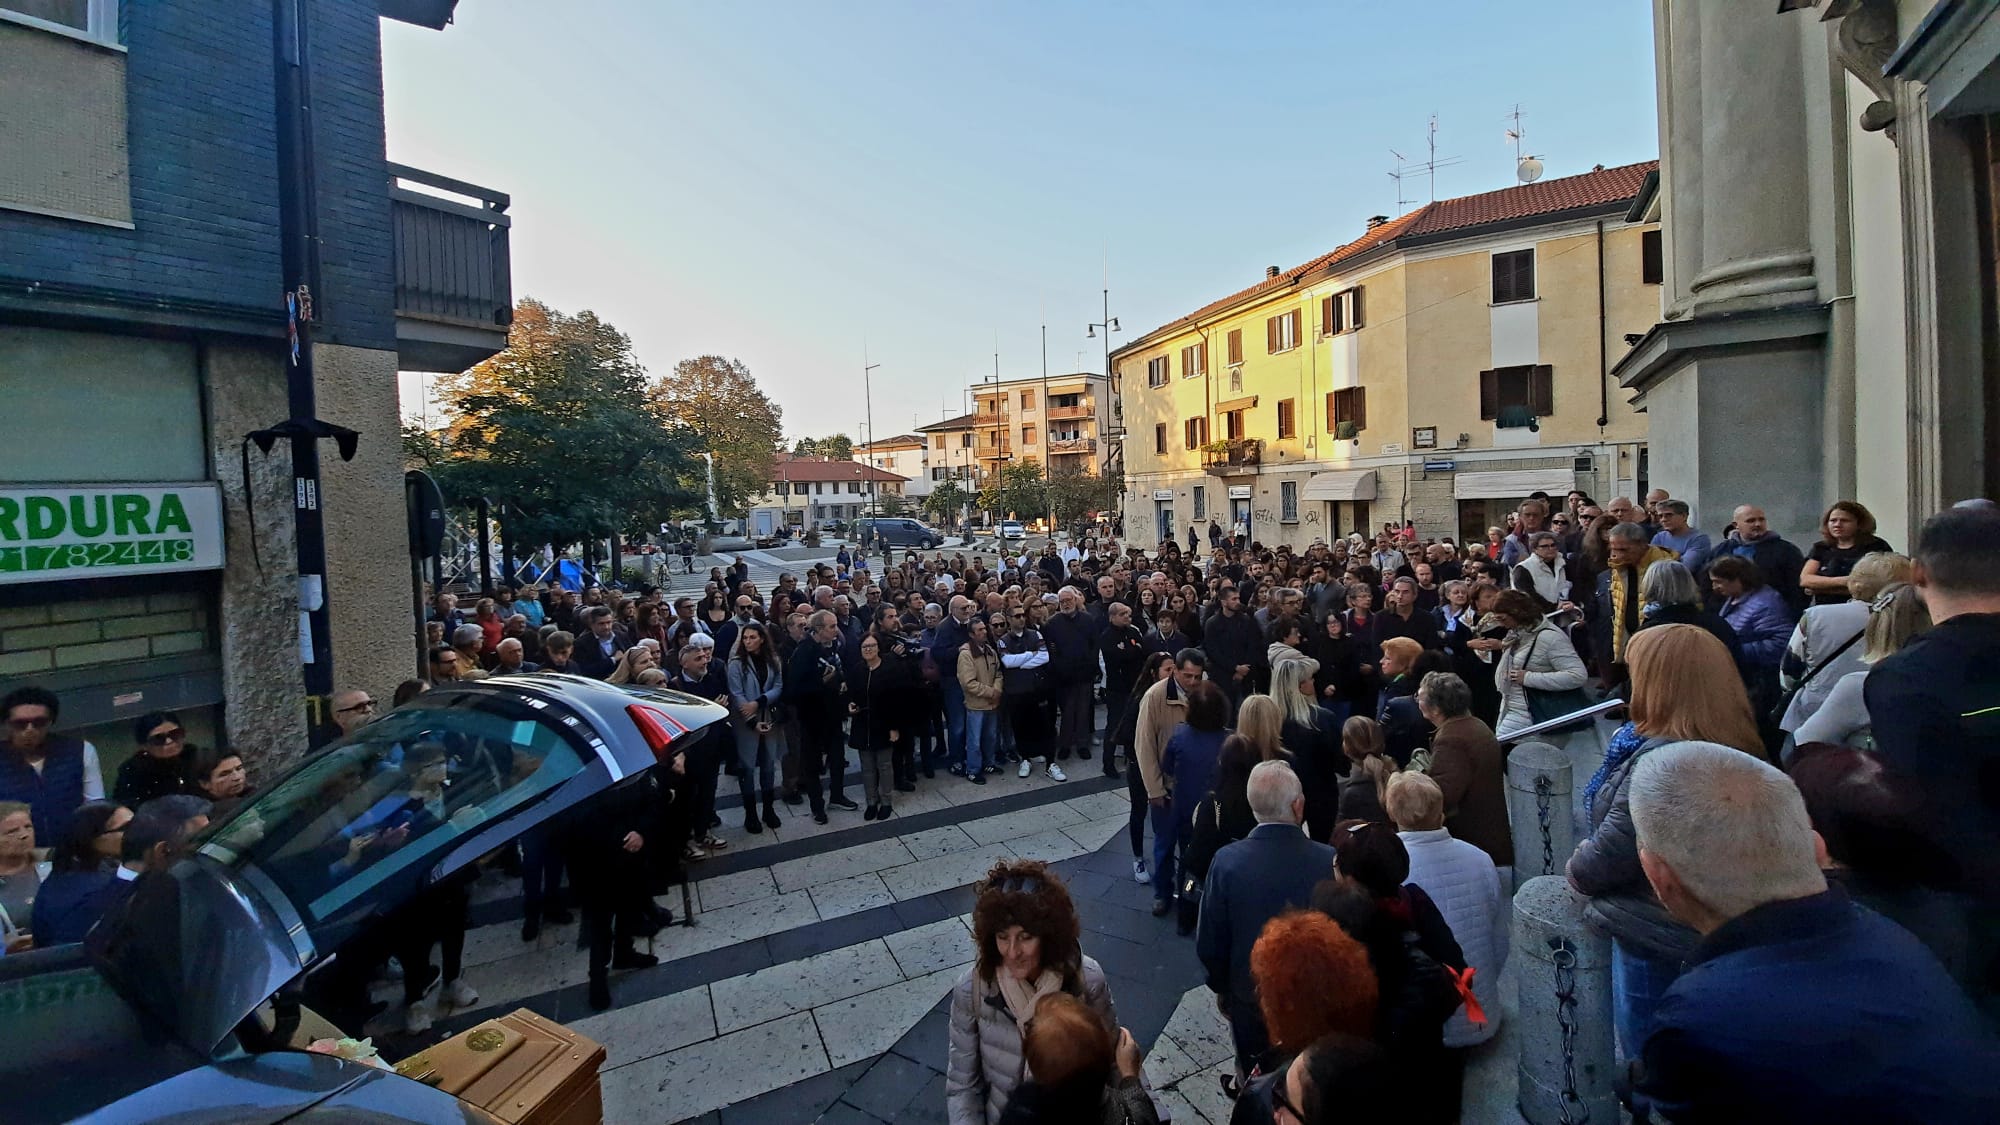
1637,984
1166,848
979,735
954,718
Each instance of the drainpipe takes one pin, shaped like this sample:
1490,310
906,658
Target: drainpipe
1603,344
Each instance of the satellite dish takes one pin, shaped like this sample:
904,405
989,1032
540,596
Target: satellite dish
1528,170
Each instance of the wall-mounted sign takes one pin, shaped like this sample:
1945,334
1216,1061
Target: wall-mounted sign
1163,494
1440,466
1239,492
1391,448
1424,437
56,533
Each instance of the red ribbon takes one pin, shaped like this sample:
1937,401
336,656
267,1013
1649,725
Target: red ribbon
1462,980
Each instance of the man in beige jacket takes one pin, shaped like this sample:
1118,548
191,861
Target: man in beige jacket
1161,709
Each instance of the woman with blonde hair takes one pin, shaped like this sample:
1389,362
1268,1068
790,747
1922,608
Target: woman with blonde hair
1309,733
633,664
1261,720
1365,789
1684,689
1827,644
1895,618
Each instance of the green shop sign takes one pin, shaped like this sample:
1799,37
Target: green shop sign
53,533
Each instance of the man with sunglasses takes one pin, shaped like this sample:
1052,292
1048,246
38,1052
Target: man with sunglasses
51,773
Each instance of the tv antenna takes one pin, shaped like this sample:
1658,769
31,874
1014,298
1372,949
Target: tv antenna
1527,167
1427,169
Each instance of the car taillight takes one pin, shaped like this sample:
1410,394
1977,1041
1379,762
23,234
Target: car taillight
658,728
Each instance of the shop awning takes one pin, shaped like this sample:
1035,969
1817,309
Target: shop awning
1347,484
1512,484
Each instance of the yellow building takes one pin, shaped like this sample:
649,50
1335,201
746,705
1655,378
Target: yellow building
1437,369
1062,421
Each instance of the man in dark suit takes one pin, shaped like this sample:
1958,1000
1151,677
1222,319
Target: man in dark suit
598,650
1250,882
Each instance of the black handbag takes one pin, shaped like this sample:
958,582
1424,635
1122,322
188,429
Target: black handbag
1785,698
1545,705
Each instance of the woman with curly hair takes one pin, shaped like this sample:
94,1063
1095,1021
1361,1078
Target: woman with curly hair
1082,1074
1026,930
1313,980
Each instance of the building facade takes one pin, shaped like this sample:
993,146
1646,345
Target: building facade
1062,421
1828,194
808,492
906,455
144,334
1437,369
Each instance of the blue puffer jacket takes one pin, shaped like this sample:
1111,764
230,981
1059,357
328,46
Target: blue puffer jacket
1763,624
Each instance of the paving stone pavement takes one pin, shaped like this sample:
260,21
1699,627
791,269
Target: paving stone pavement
815,983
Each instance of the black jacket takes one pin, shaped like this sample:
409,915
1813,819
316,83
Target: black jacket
589,657
807,689
880,697
1070,649
1124,653
1230,640
144,777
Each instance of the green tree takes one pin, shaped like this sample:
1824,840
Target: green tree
1074,493
563,426
717,401
891,504
839,447
946,501
1017,491
422,448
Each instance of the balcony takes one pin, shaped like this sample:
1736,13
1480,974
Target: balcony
995,418
1061,413
1230,458
995,452
454,281
1072,445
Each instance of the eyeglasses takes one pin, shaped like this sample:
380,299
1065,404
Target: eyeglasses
29,724
1019,885
1282,1100
164,737
364,705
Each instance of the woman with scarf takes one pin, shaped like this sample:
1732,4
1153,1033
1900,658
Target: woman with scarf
1026,930
756,679
1535,656
1684,688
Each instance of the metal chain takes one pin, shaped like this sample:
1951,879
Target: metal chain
1563,956
1544,791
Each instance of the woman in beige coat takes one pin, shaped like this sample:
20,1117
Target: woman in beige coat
979,676
1026,928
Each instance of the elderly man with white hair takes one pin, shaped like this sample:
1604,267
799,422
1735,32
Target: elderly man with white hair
1798,1004
1250,882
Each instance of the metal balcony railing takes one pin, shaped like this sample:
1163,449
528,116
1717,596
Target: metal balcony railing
454,275
1081,410
1241,455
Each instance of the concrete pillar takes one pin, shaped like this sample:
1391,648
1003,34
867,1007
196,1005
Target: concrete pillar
1756,237
1563,1020
1538,806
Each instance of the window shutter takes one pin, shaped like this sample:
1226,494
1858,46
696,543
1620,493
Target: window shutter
1329,315
1489,394
1297,317
1236,345
1271,335
1361,408
1354,309
1331,419
1542,391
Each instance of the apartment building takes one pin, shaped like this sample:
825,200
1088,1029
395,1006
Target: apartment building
1437,369
1062,421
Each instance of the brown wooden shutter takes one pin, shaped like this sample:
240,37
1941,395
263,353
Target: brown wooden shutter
1329,315
1271,335
1331,419
1361,408
1354,309
1297,318
1541,391
1489,394
1236,345
1204,357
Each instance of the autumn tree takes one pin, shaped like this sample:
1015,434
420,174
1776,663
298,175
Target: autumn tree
562,427
717,401
1074,493
839,447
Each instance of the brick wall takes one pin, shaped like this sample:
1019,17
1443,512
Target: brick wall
202,138
44,638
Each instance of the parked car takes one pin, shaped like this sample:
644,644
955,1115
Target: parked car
1012,529
898,531
163,1011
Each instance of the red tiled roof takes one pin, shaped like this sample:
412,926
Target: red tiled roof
1567,193
1591,189
790,467
900,441
962,422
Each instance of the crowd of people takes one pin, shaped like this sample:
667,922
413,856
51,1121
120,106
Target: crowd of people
1316,741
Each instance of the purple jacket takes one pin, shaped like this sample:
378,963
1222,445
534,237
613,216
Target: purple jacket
1763,624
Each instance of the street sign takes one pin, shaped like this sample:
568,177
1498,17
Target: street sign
1440,466
55,533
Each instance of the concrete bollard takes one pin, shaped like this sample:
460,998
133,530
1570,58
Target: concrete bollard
1563,1021
1538,808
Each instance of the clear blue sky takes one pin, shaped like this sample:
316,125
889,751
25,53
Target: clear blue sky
789,182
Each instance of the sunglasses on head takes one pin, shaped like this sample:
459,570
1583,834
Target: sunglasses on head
1019,885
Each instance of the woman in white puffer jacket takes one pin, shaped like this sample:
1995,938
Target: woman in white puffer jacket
1463,882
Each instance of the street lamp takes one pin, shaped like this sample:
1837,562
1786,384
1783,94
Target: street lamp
1110,325
868,400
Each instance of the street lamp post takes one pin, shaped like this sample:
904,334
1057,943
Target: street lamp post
1110,325
868,404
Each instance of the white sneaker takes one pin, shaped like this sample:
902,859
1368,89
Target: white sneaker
1056,774
418,1019
1027,767
1139,872
460,994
